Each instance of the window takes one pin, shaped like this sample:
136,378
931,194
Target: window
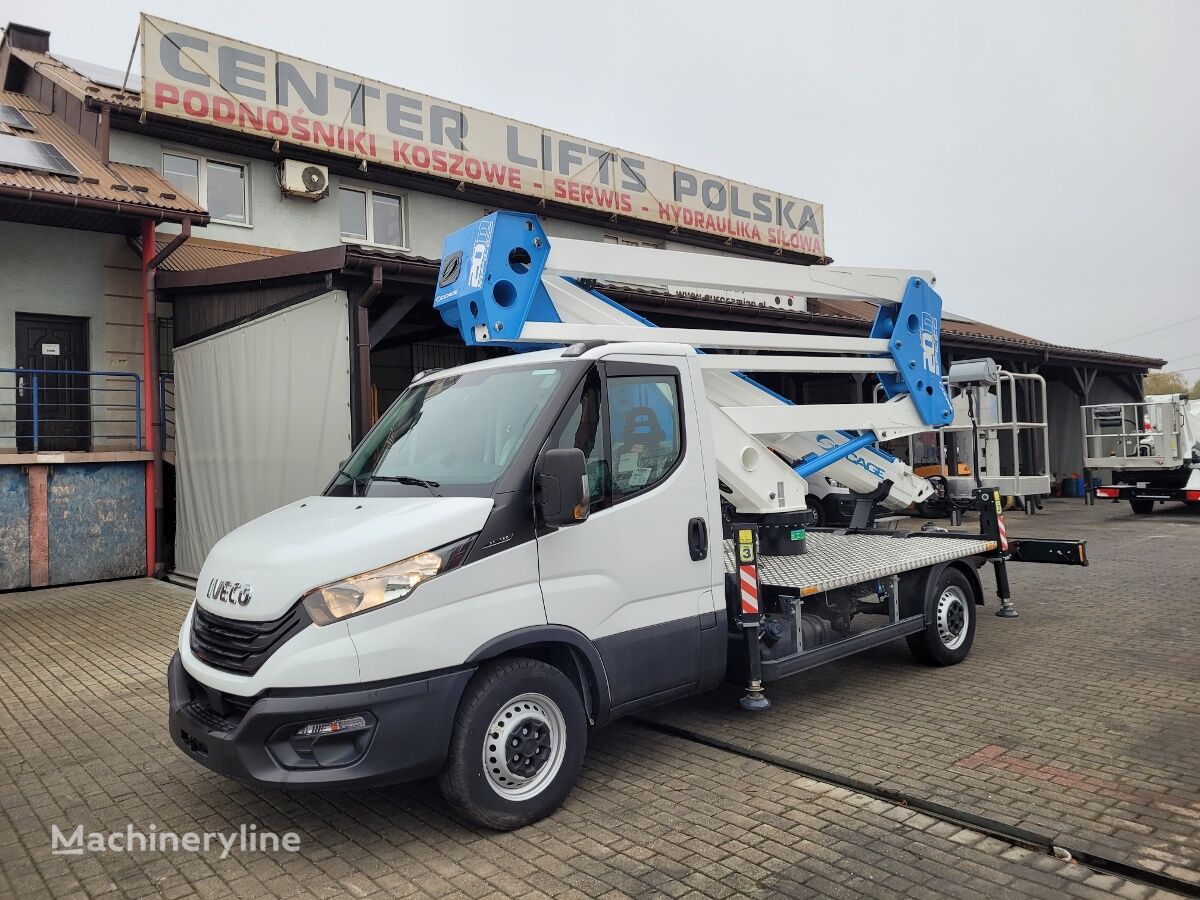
372,217
584,430
226,194
458,432
220,187
631,242
643,414
631,448
184,173
166,345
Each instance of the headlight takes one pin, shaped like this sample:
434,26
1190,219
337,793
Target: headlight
384,585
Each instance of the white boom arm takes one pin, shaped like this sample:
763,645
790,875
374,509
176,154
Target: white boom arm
491,300
749,421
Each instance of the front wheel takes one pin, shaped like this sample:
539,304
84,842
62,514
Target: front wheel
517,745
1142,506
949,621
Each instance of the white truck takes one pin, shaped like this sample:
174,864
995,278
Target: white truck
527,547
1151,448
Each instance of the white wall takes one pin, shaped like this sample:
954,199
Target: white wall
292,223
275,221
85,274
51,271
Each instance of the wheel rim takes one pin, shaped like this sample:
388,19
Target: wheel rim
524,746
953,616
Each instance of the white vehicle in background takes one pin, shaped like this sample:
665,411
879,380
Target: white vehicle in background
526,547
1152,449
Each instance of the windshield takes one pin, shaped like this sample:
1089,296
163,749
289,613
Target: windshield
462,430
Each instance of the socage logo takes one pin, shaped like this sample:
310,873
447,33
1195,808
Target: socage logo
229,591
829,443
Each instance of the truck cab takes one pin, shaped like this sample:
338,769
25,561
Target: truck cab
329,633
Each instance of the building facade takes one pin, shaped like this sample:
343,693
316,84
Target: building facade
207,233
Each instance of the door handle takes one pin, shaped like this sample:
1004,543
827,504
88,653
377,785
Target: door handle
20,387
698,538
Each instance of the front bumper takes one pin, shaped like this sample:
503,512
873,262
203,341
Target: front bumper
1133,492
411,723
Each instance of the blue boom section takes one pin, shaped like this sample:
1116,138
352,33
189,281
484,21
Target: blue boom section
913,331
490,283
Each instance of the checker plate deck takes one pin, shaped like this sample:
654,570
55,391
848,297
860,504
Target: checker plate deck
836,560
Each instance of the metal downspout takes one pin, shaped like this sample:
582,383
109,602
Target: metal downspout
362,343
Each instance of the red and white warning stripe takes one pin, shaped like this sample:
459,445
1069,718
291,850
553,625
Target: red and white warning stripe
749,579
1003,533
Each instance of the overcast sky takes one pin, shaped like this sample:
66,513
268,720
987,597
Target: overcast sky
1043,158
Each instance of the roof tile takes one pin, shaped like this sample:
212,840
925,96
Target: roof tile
135,186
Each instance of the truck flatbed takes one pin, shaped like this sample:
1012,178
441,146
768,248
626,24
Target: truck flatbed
835,559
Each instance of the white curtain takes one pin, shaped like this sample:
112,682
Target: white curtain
263,418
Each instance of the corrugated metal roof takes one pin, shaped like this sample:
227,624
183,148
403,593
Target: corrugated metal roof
120,183
861,311
201,253
75,83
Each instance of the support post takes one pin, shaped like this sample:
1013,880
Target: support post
750,615
362,356
1006,610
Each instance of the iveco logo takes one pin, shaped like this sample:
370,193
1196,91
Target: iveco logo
450,269
229,591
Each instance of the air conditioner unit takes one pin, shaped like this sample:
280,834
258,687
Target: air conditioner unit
302,179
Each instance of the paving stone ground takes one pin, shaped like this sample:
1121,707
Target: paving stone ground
1079,720
1078,717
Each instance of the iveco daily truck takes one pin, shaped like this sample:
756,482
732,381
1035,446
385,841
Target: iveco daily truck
526,548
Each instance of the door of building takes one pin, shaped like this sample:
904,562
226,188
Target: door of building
52,347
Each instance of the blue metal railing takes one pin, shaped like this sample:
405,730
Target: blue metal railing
69,409
166,411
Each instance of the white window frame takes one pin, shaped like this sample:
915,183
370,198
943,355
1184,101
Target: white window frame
202,174
369,192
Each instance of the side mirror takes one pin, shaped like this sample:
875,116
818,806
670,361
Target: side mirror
563,496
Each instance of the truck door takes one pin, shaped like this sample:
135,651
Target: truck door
636,577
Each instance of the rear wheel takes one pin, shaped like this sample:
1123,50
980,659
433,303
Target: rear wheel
949,621
517,746
1141,505
817,505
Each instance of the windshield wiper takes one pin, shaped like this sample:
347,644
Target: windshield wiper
408,479
355,481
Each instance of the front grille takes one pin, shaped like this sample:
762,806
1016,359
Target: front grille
210,718
242,647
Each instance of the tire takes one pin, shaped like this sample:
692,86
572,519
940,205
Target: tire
521,700
950,615
817,505
1142,506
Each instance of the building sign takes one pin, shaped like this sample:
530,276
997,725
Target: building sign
202,77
